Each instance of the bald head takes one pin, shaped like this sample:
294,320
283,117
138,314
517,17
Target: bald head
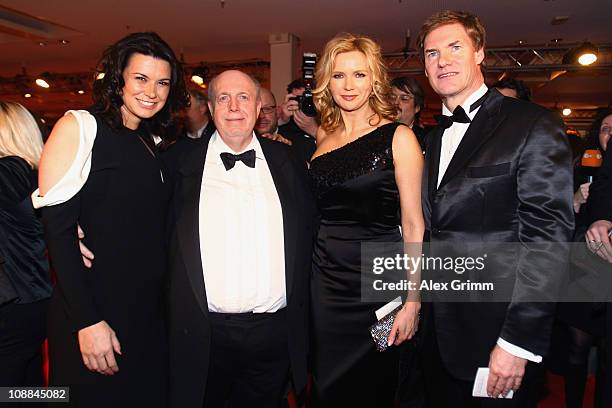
231,73
234,103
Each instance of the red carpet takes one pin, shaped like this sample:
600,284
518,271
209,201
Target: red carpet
556,396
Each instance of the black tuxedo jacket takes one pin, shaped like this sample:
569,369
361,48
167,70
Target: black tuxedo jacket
189,327
510,180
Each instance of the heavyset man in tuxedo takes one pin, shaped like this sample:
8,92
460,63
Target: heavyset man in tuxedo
497,171
240,256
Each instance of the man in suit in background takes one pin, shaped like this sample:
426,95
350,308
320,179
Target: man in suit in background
497,170
240,256
195,127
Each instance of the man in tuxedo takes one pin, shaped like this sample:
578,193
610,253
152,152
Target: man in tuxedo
497,169
240,256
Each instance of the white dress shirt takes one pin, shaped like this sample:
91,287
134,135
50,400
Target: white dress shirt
241,234
451,139
453,135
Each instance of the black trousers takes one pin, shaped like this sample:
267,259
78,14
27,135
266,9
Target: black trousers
249,360
22,332
443,390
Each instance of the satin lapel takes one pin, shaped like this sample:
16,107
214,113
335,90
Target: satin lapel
188,225
284,180
433,151
480,130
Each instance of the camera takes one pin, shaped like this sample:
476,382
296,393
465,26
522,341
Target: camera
305,102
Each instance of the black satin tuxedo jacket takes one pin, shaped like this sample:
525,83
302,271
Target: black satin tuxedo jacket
189,327
510,180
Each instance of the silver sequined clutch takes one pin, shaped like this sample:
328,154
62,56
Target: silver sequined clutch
381,329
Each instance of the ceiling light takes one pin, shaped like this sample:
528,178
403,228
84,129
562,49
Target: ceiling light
80,92
587,54
100,75
199,74
566,111
43,80
196,79
27,95
42,83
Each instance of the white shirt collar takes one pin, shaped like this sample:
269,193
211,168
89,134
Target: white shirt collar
218,146
468,101
198,133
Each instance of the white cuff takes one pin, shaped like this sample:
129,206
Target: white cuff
518,352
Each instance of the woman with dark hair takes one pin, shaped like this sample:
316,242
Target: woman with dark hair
366,175
585,322
99,170
25,287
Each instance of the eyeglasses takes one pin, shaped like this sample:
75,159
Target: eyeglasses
268,109
403,97
605,129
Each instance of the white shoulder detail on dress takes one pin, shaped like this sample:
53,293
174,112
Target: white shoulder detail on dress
76,176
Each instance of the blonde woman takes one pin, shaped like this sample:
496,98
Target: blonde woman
366,174
24,271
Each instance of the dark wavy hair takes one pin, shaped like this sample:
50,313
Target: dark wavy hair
107,92
411,86
592,139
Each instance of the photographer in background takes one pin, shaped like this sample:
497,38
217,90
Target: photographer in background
295,125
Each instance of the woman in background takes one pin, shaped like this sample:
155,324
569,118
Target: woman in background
24,271
100,170
585,323
366,174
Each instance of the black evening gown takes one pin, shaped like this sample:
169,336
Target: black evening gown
122,209
358,201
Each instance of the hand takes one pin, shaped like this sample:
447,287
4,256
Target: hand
277,138
287,108
86,254
97,343
307,123
406,323
598,239
506,372
581,196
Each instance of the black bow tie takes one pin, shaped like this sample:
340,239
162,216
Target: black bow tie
459,114
229,159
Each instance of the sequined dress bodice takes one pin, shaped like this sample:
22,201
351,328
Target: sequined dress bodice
355,184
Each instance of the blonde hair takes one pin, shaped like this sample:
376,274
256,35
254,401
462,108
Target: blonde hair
19,133
378,101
